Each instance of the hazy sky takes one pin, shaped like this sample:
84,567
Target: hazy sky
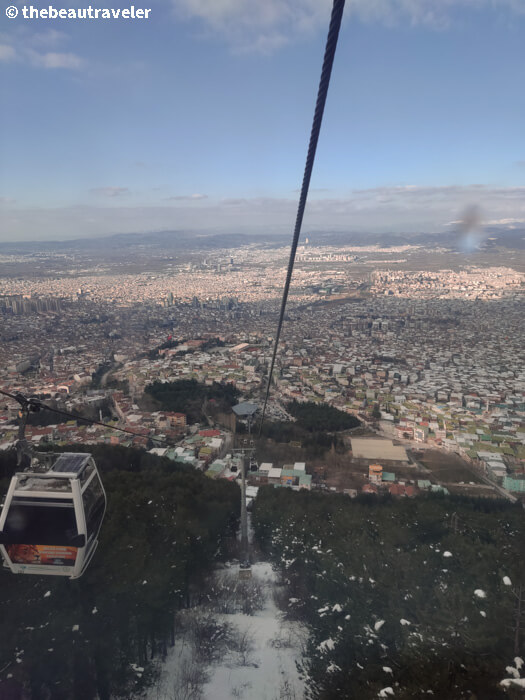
199,117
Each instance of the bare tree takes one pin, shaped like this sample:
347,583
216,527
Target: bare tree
188,681
242,642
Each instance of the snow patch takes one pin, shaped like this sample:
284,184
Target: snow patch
405,622
512,671
480,593
507,581
327,644
379,624
333,668
447,554
139,670
513,683
386,692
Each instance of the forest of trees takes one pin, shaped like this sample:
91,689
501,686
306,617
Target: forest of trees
315,417
189,396
165,528
418,595
315,428
317,443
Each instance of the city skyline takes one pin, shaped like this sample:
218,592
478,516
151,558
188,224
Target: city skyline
198,118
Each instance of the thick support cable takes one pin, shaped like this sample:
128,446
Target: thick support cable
331,44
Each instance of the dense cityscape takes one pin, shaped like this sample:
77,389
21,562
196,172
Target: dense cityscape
430,358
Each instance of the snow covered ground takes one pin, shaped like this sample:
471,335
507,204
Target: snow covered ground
255,654
270,670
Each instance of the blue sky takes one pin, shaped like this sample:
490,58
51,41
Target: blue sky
199,117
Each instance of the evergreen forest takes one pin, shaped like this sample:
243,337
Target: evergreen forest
166,527
315,417
189,396
315,428
409,598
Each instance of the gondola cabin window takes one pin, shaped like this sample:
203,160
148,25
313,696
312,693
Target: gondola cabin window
93,500
41,520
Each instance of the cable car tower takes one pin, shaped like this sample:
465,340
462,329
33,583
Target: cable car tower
245,410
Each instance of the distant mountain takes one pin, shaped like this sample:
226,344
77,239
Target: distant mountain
186,241
125,242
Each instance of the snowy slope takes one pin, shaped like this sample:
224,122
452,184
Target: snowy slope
256,661
270,670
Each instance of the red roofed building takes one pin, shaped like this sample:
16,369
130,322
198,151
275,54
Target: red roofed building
402,490
396,490
41,431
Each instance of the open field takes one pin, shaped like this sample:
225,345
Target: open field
378,449
447,467
345,476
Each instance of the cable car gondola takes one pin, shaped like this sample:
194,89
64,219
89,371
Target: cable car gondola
50,520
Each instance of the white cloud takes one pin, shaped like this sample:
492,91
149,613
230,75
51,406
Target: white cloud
504,222
7,53
57,60
265,26
380,209
188,197
254,25
109,191
38,49
48,39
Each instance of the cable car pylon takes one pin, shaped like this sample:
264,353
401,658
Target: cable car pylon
245,410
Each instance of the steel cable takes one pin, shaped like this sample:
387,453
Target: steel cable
331,45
